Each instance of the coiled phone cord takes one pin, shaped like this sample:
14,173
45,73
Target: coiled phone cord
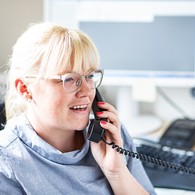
149,159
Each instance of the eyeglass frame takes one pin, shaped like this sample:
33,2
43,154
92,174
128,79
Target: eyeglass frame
62,78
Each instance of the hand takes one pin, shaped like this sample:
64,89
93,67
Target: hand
108,159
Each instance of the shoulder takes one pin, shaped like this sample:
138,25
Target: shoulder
6,140
7,137
128,144
127,139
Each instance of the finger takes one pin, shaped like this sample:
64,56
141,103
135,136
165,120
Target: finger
108,107
112,131
112,118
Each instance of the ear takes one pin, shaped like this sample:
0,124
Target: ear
21,87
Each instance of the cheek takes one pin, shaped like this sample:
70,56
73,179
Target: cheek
92,96
47,99
56,103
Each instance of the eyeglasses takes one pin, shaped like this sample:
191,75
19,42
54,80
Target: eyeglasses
72,81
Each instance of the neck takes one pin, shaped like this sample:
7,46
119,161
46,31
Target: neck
65,141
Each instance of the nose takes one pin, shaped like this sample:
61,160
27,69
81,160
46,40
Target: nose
84,88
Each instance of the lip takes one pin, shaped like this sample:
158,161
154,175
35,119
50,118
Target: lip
80,107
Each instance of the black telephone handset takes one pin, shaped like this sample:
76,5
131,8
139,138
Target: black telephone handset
96,132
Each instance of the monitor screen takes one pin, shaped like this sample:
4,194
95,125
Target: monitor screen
161,49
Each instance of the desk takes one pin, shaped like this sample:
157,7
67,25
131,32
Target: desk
161,191
154,136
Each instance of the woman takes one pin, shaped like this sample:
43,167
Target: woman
43,148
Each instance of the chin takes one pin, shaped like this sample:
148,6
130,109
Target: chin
82,126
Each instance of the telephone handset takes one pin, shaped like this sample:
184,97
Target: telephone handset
96,134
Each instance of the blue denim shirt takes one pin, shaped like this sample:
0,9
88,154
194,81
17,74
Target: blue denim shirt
29,165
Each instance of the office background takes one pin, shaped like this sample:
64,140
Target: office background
15,16
14,19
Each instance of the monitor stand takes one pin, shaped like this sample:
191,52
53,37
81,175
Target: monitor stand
128,110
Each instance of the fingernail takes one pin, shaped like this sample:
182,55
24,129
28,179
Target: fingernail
103,122
99,113
100,103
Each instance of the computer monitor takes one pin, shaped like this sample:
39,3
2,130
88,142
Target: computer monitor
162,50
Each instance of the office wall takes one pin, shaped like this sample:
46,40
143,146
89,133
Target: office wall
15,15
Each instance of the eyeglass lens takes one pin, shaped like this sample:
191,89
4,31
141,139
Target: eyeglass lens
72,81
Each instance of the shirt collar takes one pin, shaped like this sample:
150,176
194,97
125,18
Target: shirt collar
29,137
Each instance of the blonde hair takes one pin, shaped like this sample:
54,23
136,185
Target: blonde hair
47,49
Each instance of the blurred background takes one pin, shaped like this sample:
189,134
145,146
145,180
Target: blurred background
147,49
15,16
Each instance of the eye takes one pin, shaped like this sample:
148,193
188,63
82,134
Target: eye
90,76
68,79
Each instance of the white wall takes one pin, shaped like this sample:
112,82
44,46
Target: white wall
14,19
15,16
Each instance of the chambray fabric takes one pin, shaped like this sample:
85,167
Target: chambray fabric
29,165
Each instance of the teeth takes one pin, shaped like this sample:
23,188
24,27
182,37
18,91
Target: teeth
79,107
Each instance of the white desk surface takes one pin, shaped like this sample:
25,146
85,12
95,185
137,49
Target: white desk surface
163,191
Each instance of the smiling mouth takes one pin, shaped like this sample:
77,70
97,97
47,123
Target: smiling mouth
79,107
